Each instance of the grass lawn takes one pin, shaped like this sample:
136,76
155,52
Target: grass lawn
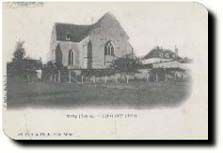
136,94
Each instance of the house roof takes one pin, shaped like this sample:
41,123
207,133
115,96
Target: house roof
156,52
79,32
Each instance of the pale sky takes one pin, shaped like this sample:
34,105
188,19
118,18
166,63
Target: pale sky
147,24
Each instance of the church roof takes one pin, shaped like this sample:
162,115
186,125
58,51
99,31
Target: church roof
79,32
76,32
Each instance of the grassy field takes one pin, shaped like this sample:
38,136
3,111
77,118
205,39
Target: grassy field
136,94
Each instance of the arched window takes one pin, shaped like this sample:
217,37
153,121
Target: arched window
70,58
59,56
109,49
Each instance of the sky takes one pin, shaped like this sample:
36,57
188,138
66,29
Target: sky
148,25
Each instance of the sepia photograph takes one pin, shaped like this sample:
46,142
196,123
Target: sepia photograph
105,64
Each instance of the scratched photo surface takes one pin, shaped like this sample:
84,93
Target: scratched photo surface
108,64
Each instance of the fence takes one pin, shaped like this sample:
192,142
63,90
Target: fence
81,76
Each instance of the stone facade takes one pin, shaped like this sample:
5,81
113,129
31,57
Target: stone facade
92,46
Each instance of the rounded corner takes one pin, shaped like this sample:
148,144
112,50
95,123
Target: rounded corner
8,135
201,6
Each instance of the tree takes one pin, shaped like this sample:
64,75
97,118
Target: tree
22,67
126,66
19,52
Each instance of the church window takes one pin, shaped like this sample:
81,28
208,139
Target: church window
109,49
70,57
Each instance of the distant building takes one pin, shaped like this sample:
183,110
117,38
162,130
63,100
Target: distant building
158,54
165,63
89,46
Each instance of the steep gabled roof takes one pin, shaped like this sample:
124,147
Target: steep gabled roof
79,32
76,32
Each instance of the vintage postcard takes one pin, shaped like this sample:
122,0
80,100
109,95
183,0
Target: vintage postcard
96,70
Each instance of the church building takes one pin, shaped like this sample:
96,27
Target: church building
89,46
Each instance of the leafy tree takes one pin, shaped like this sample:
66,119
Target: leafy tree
19,52
125,66
22,67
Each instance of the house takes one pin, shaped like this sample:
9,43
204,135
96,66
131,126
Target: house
89,46
159,54
165,64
